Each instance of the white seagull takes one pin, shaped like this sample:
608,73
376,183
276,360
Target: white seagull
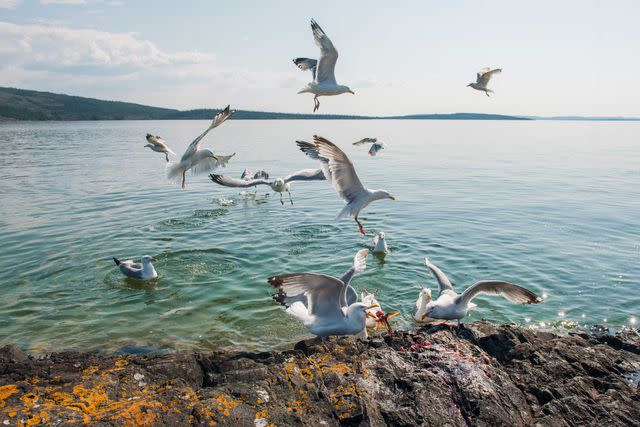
323,70
345,181
375,145
380,244
200,160
319,302
158,145
278,185
482,79
143,271
359,265
451,305
424,298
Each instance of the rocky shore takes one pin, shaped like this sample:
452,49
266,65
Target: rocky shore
437,376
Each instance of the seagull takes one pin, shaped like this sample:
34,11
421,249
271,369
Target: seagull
337,166
248,175
323,70
376,318
375,145
158,145
482,79
421,305
451,305
278,185
200,159
380,244
359,265
143,271
319,302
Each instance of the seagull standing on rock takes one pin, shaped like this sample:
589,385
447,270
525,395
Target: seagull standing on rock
158,145
450,305
323,70
482,79
198,159
337,167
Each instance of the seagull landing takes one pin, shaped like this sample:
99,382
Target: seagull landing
158,145
323,69
482,79
278,185
375,145
198,159
337,167
143,271
450,305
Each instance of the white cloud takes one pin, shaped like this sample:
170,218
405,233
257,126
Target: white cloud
9,4
63,1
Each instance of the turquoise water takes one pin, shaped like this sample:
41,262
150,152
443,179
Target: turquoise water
553,206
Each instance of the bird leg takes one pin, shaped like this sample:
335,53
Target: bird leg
316,103
166,155
487,93
362,231
281,201
183,179
290,198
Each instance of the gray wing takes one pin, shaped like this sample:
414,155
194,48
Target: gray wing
365,141
246,174
443,281
513,293
227,181
307,64
351,296
131,271
261,174
323,292
340,169
209,164
375,148
306,175
328,55
219,118
484,77
359,264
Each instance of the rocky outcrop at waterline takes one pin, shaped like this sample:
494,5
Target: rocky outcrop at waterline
483,375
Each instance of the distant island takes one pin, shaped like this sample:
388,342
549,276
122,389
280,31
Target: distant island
22,104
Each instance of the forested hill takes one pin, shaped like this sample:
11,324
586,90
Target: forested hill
21,104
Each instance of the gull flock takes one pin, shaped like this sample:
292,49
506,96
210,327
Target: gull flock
328,305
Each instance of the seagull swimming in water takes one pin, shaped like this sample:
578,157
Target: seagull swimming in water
450,305
482,79
319,302
278,185
158,145
337,167
375,145
380,244
143,271
323,69
200,160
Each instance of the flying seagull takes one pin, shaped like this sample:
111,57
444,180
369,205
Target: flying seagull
323,69
451,305
337,167
158,145
319,302
375,145
143,271
482,79
200,160
278,185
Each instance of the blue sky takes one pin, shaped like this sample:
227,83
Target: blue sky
559,58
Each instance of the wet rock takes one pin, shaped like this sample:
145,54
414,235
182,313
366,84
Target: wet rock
481,375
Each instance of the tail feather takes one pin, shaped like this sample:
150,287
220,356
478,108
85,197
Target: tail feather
116,260
174,171
360,260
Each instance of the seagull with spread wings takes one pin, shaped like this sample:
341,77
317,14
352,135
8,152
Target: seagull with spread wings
158,145
482,79
278,185
451,305
198,159
320,302
323,69
338,168
375,145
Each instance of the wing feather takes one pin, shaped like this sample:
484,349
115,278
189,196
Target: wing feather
328,55
443,281
218,119
228,181
513,293
323,292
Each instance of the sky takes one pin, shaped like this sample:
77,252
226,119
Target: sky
558,57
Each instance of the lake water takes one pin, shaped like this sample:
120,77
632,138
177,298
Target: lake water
553,206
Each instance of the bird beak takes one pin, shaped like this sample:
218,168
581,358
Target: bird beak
368,314
392,314
352,92
373,306
424,316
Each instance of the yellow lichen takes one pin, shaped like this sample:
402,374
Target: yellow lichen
6,391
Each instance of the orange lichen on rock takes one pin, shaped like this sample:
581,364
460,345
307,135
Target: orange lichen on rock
7,391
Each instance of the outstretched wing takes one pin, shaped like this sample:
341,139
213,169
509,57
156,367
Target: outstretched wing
378,146
328,55
513,293
443,281
307,64
217,121
365,141
306,175
485,75
323,292
359,265
227,181
209,164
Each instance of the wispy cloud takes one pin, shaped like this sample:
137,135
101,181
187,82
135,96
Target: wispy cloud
70,2
9,4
